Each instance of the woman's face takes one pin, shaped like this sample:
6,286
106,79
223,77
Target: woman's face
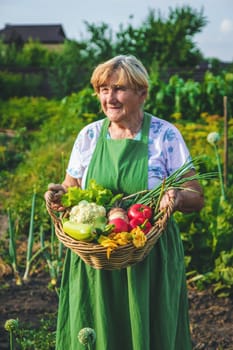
120,103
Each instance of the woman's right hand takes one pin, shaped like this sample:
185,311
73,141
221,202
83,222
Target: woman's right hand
57,191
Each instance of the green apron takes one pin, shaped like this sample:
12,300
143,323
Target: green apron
143,307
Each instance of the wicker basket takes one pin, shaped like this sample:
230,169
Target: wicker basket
95,254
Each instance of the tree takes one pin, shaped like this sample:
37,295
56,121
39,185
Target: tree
166,41
70,71
100,45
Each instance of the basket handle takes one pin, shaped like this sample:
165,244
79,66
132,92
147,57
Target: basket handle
162,221
48,200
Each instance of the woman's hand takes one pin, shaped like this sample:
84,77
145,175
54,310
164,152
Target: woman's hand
57,191
169,198
187,200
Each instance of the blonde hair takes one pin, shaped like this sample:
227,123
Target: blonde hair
129,69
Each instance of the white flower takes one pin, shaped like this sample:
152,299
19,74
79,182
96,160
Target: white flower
213,137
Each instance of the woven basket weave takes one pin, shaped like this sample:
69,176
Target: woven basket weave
95,254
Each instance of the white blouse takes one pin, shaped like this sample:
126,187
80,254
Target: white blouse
167,150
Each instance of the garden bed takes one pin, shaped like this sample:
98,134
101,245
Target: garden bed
211,317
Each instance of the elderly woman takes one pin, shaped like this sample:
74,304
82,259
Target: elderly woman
143,307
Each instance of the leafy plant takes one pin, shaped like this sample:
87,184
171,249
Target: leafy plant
43,337
222,275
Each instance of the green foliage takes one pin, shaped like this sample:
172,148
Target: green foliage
208,243
93,193
12,149
100,44
189,98
209,233
222,274
47,154
29,338
70,70
214,88
8,54
19,84
34,54
26,112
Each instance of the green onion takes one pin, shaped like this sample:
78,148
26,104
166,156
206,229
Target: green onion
174,181
30,238
53,260
12,249
11,326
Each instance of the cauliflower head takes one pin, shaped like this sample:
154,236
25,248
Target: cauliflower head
86,212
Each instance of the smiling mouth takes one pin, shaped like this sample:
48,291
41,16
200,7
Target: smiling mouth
114,107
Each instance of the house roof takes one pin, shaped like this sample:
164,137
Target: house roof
47,34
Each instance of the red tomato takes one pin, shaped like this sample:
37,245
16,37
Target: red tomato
120,225
143,223
140,211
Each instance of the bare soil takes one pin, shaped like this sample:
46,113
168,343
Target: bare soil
211,317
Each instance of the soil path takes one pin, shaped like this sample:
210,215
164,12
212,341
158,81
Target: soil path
211,317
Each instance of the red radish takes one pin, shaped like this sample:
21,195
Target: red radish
116,213
120,225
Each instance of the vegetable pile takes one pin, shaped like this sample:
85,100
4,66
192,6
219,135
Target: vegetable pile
114,227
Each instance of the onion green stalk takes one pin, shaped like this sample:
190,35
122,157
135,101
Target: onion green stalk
174,181
48,259
12,249
213,138
30,238
53,260
30,256
11,326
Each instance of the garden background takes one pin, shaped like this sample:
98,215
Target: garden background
46,98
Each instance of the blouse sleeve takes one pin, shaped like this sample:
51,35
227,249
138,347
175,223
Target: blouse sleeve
167,151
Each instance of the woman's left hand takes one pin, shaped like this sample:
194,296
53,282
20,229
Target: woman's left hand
169,198
187,200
